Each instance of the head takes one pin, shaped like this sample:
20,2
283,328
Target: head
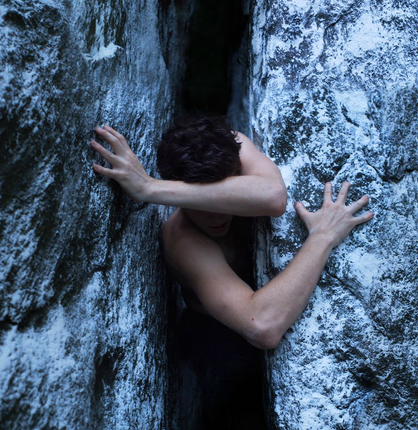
200,149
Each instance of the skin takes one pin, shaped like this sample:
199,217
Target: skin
259,191
198,243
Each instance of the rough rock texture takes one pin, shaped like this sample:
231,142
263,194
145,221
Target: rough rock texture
333,97
82,296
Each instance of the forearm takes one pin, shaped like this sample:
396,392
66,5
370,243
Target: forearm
259,191
280,302
238,195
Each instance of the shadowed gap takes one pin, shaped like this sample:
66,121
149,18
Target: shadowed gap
216,30
216,380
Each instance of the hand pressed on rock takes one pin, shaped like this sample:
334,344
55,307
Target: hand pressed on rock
334,221
258,191
127,169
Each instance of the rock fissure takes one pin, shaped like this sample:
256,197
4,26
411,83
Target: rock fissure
219,376
85,304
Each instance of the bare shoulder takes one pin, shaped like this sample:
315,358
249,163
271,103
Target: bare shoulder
254,162
174,229
183,240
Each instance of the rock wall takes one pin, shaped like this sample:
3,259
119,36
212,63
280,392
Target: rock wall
330,94
333,97
82,297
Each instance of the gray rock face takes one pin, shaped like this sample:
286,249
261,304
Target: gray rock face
332,97
82,297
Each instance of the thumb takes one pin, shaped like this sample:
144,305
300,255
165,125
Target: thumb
301,210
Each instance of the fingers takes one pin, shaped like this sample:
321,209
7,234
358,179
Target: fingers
356,206
115,133
107,155
301,210
363,218
328,193
342,195
110,173
117,144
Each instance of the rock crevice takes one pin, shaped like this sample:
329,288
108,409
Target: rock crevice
326,89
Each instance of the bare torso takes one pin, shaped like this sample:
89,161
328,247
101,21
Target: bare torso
236,246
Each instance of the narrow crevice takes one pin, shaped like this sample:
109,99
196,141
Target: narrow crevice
217,378
216,31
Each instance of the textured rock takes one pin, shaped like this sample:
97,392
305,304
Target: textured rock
332,97
82,297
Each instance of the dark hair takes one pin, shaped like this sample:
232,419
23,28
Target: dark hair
199,148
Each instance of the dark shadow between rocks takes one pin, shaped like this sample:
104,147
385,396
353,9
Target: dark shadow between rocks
216,30
215,376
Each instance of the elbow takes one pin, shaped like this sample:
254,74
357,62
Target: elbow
266,344
264,338
277,201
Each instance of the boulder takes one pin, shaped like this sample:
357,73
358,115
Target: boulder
83,312
332,96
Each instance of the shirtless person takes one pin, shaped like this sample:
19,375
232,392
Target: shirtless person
212,174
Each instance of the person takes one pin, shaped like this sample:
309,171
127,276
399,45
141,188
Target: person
218,180
214,176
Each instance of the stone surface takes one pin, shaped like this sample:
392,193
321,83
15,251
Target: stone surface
332,97
82,297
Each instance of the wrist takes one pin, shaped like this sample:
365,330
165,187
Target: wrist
161,192
321,240
147,190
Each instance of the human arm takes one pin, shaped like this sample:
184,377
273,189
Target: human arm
262,317
258,191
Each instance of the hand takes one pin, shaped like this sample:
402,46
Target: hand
127,169
334,221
